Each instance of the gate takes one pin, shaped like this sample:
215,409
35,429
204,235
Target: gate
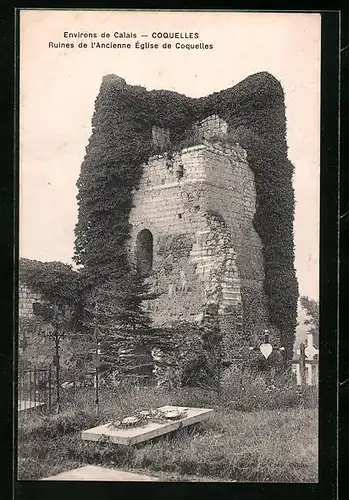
35,388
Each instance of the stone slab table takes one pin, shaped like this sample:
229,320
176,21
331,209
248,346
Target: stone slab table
95,473
148,431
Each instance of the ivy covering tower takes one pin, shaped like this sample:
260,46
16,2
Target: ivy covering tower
196,197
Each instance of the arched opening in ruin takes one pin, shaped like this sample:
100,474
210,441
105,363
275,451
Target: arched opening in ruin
144,252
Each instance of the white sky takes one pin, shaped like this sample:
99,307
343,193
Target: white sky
58,88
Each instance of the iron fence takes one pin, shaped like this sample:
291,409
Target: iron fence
35,388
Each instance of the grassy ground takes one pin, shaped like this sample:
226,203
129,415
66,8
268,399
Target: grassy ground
271,437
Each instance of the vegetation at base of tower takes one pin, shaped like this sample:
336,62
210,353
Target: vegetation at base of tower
179,356
121,143
187,354
212,339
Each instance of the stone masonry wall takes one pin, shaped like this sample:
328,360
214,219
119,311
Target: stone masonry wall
26,299
29,326
196,259
231,193
209,127
160,137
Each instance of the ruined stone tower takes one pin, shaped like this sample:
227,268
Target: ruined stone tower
198,195
193,236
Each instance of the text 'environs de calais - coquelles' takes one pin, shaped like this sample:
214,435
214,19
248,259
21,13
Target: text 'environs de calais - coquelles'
129,39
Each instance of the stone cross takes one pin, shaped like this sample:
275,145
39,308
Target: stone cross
310,350
266,348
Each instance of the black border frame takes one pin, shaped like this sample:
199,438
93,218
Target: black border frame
328,435
343,456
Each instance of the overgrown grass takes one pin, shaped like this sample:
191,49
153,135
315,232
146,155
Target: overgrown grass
273,439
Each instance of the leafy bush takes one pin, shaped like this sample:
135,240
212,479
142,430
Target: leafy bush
60,289
179,355
53,280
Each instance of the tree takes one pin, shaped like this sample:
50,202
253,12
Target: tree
311,307
60,290
116,315
51,279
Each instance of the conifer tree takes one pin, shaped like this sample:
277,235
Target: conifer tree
117,310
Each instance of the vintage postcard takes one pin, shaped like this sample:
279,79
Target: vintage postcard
169,246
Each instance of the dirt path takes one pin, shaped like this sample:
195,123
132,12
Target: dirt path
178,478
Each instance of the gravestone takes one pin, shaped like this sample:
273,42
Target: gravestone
148,430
